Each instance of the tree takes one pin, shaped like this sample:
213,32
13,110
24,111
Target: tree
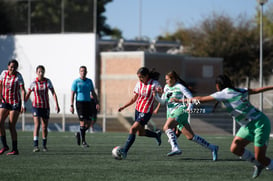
236,42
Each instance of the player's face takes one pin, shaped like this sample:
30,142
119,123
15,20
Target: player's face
12,68
83,72
169,81
40,73
143,78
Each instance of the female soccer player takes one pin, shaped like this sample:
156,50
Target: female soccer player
40,106
255,125
12,97
177,114
143,96
84,90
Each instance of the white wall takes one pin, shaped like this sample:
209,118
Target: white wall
61,54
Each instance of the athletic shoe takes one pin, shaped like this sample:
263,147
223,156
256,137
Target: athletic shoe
14,152
78,138
158,138
257,170
123,153
175,152
215,153
4,149
45,149
36,149
85,145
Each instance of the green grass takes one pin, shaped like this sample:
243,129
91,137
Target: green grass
145,161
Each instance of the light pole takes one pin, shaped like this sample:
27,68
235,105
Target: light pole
261,2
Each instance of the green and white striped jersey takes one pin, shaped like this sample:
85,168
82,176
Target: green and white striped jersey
237,104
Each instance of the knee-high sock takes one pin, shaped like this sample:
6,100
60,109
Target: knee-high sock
149,133
201,141
131,139
82,130
4,141
248,156
172,138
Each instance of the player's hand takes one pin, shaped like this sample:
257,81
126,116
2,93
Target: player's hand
23,109
120,109
57,109
72,110
98,107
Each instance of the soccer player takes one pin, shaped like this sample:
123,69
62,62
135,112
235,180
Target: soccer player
143,96
84,90
177,115
12,97
255,125
40,106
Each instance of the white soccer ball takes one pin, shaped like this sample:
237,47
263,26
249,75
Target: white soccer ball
116,153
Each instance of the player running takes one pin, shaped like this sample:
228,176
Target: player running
255,125
143,96
177,115
40,106
12,97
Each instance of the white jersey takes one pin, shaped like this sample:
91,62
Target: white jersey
237,104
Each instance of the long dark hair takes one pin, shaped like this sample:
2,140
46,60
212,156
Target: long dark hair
173,75
152,74
224,81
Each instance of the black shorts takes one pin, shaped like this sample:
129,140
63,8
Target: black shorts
84,110
11,107
40,112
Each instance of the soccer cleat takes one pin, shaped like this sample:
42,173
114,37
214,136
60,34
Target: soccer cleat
45,149
158,138
175,152
215,153
13,152
257,170
123,153
85,145
4,149
78,137
36,149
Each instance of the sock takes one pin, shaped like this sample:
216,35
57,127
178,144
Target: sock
44,142
35,140
270,166
201,141
149,133
4,141
131,139
14,146
172,138
248,156
82,130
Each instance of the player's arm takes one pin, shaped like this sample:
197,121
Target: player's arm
72,102
258,90
1,92
131,101
23,94
156,109
56,100
95,97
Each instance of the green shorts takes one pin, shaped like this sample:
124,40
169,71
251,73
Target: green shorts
257,131
181,117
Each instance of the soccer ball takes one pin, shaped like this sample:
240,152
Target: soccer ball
116,153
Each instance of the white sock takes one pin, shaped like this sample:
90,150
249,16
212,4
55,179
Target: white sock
248,156
172,138
201,141
35,138
270,166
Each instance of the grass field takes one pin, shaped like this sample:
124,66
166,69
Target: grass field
145,161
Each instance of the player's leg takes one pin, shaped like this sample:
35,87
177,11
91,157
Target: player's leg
168,128
143,119
44,133
3,115
36,120
13,117
188,132
131,138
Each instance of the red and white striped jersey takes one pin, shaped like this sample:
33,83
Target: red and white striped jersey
11,87
40,89
145,100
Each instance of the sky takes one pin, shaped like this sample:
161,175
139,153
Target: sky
151,18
